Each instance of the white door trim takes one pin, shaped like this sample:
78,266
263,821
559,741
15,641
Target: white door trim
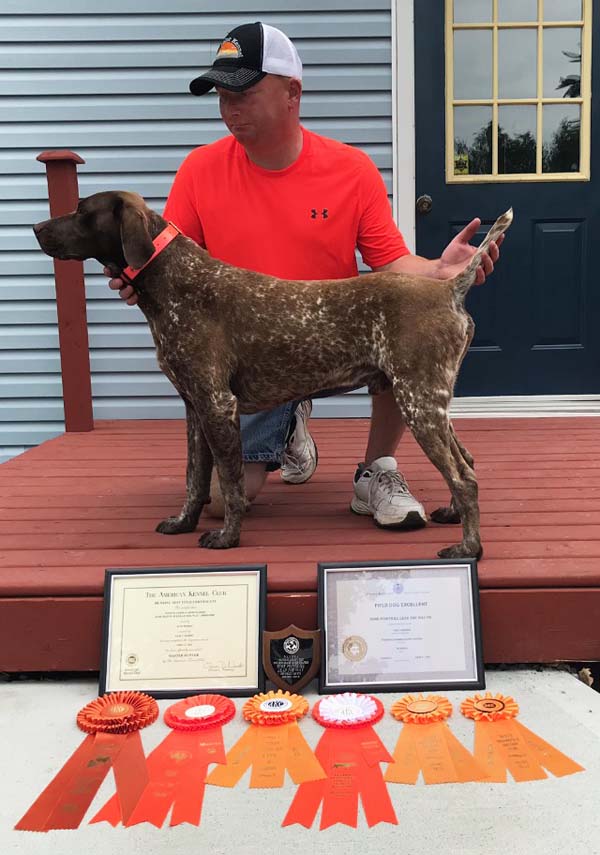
403,118
526,405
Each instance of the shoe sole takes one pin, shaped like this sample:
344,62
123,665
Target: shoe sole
412,520
295,479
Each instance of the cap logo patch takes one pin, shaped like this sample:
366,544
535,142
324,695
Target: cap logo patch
229,49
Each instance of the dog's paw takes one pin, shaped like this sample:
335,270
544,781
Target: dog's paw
445,515
461,550
218,539
175,525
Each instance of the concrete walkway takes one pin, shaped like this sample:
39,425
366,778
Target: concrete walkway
37,722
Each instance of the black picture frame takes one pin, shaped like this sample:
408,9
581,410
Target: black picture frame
327,686
259,683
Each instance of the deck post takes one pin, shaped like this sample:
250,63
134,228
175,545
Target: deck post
63,194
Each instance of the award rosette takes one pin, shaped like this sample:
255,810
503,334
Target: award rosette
350,753
503,744
272,744
426,745
112,723
177,767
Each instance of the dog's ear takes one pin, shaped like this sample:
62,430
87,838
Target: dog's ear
135,237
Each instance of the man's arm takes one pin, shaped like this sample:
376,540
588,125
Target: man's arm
413,265
452,261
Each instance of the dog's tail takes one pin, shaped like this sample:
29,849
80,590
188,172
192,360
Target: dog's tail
464,280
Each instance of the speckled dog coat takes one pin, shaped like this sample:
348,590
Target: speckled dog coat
232,341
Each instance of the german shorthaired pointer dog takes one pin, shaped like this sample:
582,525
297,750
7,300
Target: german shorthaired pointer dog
232,341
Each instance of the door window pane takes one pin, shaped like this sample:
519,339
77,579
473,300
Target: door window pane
517,131
561,131
562,10
562,62
472,11
472,140
517,63
517,10
472,64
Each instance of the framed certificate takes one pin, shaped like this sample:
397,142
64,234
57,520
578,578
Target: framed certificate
172,632
400,626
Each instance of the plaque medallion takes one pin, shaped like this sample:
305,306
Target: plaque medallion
291,656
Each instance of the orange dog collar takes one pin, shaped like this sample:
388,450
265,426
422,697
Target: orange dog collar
160,242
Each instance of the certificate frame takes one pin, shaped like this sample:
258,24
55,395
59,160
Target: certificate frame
338,675
246,586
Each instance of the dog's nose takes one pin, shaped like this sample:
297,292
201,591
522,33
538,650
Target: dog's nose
38,227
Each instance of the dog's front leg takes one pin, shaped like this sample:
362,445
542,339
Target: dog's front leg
221,424
199,469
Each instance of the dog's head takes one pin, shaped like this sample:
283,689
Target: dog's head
112,227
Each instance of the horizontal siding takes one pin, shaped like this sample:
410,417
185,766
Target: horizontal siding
114,87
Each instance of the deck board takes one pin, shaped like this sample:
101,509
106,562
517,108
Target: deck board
80,503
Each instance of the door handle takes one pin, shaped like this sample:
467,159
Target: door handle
424,204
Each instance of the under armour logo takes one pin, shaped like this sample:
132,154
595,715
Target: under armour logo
314,213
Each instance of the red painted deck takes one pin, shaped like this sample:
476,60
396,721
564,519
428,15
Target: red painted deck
84,502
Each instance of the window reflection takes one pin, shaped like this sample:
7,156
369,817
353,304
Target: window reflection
517,131
562,62
561,134
472,64
562,10
517,10
472,11
472,140
517,63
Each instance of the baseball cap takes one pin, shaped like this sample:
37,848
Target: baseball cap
245,55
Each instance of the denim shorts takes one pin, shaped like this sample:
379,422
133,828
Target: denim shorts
265,434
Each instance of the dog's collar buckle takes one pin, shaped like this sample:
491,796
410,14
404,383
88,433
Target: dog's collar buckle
160,242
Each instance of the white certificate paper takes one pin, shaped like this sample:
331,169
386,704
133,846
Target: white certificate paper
399,624
180,632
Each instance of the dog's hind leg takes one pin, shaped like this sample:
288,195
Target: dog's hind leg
199,468
464,461
430,425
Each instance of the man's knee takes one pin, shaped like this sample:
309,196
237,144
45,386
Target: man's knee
255,475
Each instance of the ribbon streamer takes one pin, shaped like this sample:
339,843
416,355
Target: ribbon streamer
177,767
272,744
112,723
502,744
427,745
350,753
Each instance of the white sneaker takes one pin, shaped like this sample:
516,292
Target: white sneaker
381,491
300,455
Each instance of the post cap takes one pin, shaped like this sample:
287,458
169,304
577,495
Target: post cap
59,154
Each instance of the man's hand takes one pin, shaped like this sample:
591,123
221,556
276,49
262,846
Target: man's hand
126,292
459,252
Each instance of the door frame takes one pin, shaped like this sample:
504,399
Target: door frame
403,189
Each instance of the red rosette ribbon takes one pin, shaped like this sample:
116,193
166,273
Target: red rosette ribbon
272,744
177,767
112,723
350,752
426,745
504,744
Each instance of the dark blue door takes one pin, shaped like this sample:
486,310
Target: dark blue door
504,118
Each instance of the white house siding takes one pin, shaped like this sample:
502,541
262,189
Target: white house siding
110,81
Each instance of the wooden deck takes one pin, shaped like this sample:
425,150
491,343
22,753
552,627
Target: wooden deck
87,501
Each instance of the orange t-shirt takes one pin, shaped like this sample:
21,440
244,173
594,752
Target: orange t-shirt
302,222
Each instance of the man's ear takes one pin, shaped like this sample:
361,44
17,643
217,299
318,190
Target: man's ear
135,237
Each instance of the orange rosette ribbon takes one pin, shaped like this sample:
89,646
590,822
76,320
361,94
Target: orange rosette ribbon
426,745
350,753
503,744
272,744
112,723
177,767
